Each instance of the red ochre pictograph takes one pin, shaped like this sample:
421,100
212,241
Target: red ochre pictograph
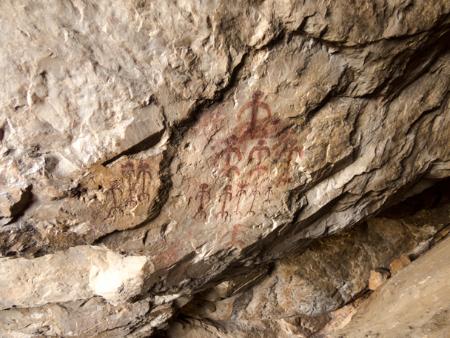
260,154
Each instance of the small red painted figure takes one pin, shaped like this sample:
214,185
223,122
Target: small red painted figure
241,192
255,193
170,255
232,148
224,198
203,196
291,151
257,174
143,173
255,104
268,194
261,151
116,193
127,170
234,236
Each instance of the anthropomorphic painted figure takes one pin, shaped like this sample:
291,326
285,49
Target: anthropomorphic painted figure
268,194
203,196
289,153
242,191
143,173
231,150
260,151
129,175
255,193
258,154
225,197
235,232
116,193
254,106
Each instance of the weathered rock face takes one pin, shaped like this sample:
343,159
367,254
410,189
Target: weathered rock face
166,146
301,292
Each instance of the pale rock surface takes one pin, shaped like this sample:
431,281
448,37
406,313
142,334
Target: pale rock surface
194,141
78,318
313,291
377,278
78,273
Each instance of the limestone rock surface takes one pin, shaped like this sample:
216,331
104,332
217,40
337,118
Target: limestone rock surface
78,273
152,150
305,293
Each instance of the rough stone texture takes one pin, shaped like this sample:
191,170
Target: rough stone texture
301,293
78,273
414,303
399,263
207,138
377,278
13,201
